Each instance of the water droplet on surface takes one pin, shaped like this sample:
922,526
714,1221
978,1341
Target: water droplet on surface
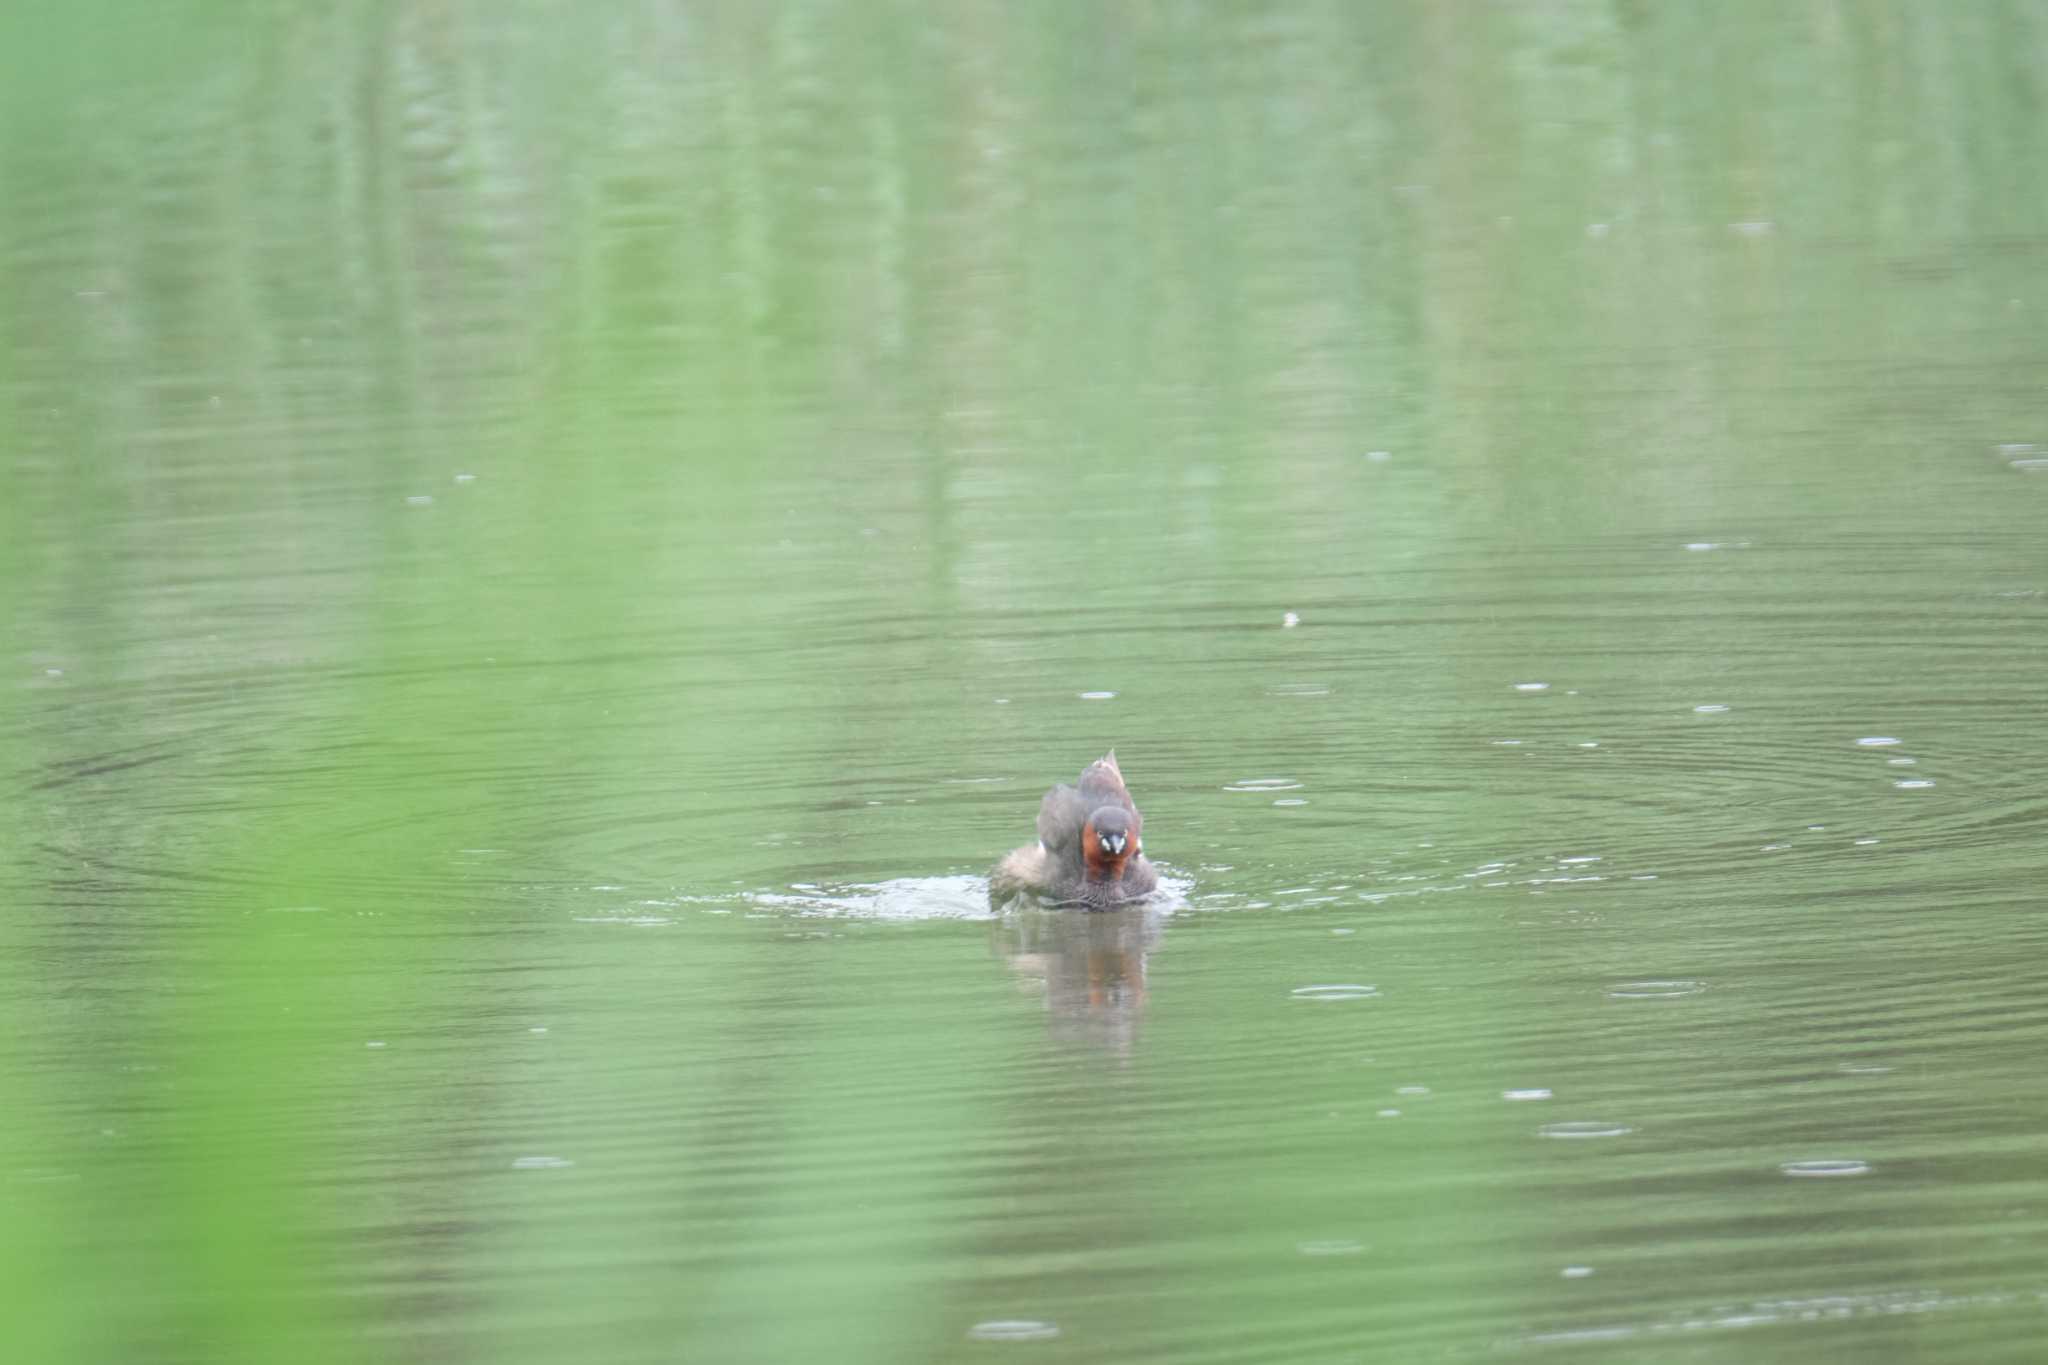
1583,1128
1336,992
1013,1329
1825,1168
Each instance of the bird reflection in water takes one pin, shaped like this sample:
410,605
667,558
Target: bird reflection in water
1090,965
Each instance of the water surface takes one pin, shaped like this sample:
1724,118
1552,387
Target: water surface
545,552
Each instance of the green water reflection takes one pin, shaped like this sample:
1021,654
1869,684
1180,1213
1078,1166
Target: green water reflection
543,551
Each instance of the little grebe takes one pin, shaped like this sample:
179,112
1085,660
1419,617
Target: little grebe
1088,851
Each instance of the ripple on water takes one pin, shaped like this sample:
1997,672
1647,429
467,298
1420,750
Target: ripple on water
1013,1329
1825,1168
1331,1247
1345,991
903,898
1583,1128
1264,784
1654,990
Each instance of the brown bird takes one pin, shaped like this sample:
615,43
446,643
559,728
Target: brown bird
1088,851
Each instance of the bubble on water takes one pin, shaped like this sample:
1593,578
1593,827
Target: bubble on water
1342,991
1530,1094
1288,620
1589,744
1532,687
538,1028
1264,784
1583,1128
1576,1272
1825,1168
1096,696
1866,843
541,1163
1712,708
1876,742
1911,784
1654,990
1013,1329
1291,801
